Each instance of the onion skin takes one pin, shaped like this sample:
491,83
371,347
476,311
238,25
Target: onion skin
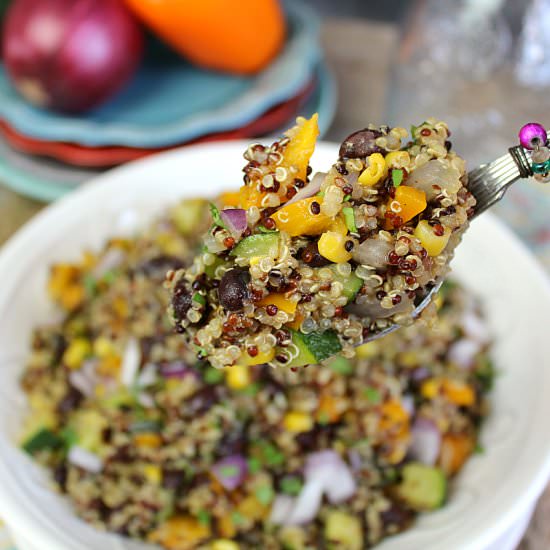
70,55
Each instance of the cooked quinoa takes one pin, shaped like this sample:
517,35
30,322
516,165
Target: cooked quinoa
295,269
149,442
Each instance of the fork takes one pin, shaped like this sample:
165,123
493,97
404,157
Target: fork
488,183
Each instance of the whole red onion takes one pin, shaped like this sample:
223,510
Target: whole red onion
70,55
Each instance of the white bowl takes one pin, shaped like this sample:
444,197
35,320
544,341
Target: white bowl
491,498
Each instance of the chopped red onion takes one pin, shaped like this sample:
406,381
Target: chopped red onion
463,352
148,376
307,503
475,328
407,402
175,369
130,362
230,471
146,400
85,459
85,378
112,259
312,188
235,220
425,441
355,460
281,509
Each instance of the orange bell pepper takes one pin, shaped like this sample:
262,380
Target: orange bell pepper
298,219
279,300
410,202
237,37
455,450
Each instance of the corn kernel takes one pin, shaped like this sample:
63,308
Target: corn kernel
368,351
339,226
333,247
224,544
262,357
103,347
238,377
297,422
397,159
430,388
153,473
148,439
375,171
434,244
77,351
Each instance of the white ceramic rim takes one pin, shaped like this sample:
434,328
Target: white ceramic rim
516,497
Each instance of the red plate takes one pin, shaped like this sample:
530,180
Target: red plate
103,157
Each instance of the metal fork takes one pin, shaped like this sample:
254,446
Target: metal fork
488,183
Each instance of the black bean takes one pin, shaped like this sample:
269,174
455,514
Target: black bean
398,516
233,291
159,265
173,479
360,144
70,401
181,300
60,475
202,401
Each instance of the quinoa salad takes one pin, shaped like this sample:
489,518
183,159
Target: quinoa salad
149,442
298,267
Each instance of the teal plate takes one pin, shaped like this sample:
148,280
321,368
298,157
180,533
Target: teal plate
170,101
47,180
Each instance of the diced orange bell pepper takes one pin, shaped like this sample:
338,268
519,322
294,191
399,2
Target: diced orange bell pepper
297,323
409,201
231,198
302,143
330,409
180,533
455,450
279,300
298,219
458,392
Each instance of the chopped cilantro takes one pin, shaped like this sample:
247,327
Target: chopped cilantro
485,374
263,229
269,454
264,494
341,365
43,439
216,216
69,437
349,218
213,376
413,130
397,177
204,517
347,198
198,297
372,395
291,485
254,465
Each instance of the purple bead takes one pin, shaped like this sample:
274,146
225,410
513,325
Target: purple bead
532,134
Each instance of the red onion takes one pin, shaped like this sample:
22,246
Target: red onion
176,369
312,188
85,378
463,352
281,509
230,471
70,55
306,504
147,376
130,362
235,220
425,441
407,402
85,459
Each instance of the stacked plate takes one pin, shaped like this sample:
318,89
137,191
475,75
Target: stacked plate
168,104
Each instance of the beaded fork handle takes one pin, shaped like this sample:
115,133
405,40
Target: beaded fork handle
489,182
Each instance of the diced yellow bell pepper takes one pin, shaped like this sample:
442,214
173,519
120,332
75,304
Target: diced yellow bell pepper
231,198
344,530
411,202
247,360
279,300
153,473
180,533
103,347
339,226
297,422
375,171
302,144
226,527
149,440
434,244
224,544
430,388
397,159
298,219
332,246
368,351
77,351
237,377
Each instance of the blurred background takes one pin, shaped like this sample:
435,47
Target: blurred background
85,87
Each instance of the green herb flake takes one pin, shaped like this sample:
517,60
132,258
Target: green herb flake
347,198
341,365
291,485
397,177
269,454
373,395
90,284
264,494
213,376
262,229
237,518
204,518
69,437
254,465
413,130
216,216
349,218
42,440
199,298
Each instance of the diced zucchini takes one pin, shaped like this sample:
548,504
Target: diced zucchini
349,217
41,440
344,530
188,214
422,487
314,347
264,245
352,283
